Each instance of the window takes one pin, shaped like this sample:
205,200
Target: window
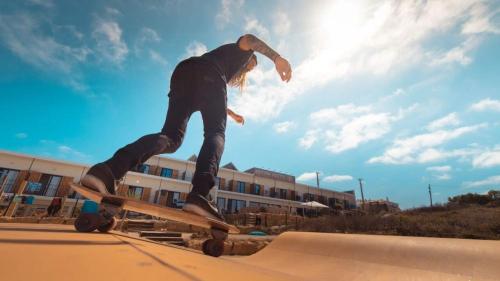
135,192
166,172
187,176
234,205
47,185
282,193
33,188
217,182
256,189
240,187
221,203
308,197
52,186
254,204
267,191
176,196
8,179
143,168
240,204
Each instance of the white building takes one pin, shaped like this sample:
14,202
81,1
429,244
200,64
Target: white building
166,181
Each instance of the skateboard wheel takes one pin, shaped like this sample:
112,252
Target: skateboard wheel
107,226
213,247
87,222
218,234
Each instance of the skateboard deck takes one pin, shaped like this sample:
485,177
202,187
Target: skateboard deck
156,210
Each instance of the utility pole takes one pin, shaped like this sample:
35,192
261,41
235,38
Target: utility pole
362,195
317,184
430,194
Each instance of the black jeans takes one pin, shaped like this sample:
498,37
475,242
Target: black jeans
194,86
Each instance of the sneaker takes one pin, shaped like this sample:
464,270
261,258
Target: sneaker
200,205
100,178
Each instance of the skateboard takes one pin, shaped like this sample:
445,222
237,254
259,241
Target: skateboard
109,205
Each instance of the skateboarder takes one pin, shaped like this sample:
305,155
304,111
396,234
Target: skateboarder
197,84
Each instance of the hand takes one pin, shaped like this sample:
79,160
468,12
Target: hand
238,118
283,68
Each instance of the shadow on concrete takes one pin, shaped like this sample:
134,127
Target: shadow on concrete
62,242
161,262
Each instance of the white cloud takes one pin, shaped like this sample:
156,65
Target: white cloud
450,120
440,169
338,178
282,24
457,54
109,42
486,104
112,11
149,35
309,139
443,177
155,56
284,127
480,20
347,126
228,8
306,176
398,93
43,3
440,172
142,46
492,182
22,34
252,25
54,149
360,130
21,135
68,151
339,115
422,148
487,159
195,48
368,38
64,149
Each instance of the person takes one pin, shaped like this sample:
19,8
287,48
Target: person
54,207
197,84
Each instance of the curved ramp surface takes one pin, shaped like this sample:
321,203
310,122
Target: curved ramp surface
325,256
57,252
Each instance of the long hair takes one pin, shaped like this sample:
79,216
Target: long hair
239,79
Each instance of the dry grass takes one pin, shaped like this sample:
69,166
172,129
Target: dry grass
470,221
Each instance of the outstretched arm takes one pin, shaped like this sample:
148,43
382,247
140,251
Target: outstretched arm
238,118
251,42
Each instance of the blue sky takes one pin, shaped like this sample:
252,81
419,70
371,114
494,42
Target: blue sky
400,94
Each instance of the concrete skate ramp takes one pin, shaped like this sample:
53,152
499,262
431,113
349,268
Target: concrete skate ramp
57,252
323,256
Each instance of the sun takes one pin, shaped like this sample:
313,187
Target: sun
339,25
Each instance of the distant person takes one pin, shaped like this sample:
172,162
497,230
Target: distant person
197,84
54,207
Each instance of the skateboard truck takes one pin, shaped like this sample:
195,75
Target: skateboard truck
103,220
215,246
